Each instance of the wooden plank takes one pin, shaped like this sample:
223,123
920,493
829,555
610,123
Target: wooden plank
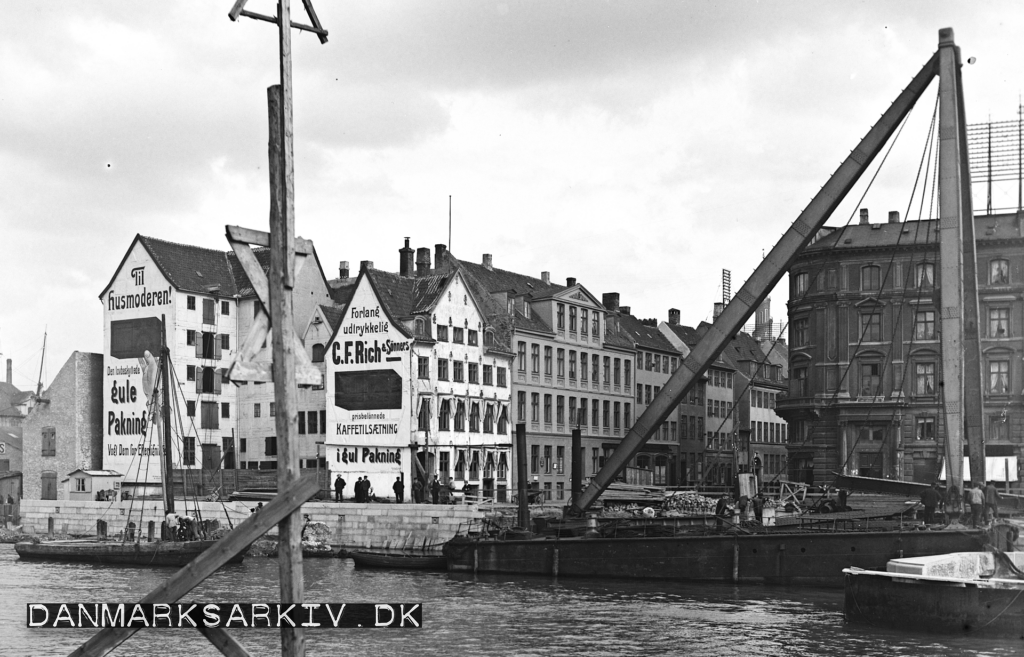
236,9
224,642
262,238
315,20
298,26
186,579
254,271
282,265
263,371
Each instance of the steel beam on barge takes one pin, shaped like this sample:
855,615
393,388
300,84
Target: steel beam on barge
759,285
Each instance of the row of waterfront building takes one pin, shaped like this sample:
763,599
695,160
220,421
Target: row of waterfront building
427,370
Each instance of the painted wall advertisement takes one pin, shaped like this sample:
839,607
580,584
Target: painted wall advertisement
367,367
133,305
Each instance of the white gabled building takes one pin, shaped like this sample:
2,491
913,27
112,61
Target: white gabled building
416,385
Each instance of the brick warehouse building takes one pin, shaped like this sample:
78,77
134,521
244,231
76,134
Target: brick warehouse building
865,358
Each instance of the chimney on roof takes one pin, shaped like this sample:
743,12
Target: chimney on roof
405,259
546,277
365,264
673,316
894,216
488,262
625,310
343,269
423,261
610,300
10,372
864,217
719,307
570,281
440,253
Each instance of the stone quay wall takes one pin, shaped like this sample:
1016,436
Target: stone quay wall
352,525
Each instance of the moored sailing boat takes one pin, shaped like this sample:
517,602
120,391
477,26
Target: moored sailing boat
130,549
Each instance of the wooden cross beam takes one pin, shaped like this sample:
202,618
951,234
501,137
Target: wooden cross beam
245,367
316,28
206,564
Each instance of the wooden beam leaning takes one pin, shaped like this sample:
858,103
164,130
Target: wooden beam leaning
287,501
262,238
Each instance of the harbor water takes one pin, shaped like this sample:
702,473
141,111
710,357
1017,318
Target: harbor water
484,615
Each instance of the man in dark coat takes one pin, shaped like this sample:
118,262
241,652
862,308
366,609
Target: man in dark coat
417,490
930,498
358,488
399,488
339,488
991,501
722,510
435,489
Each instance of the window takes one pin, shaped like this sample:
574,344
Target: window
442,369
581,417
583,321
535,407
595,414
616,416
270,446
535,358
629,375
800,332
596,326
639,393
423,367
627,417
522,356
647,394
190,302
273,413
607,370
256,409
998,429
924,379
572,319
871,327
225,344
444,463
561,363
503,420
547,460
457,369
560,460
999,272
502,380
190,372
457,335
225,308
190,337
311,422
323,422
474,417
607,407
190,408
423,417
657,363
472,338
800,285
521,406
209,417
999,377
572,365
924,325
925,428
617,375
583,367
188,450
534,459
572,410
870,379
225,410
208,311
489,419
318,353
870,278
547,409
560,410
460,416
442,333
925,275
444,414
998,322
548,357
561,316
488,374
49,442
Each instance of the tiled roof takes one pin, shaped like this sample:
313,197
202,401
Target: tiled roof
333,315
402,296
687,334
644,335
500,280
10,411
193,268
341,290
242,282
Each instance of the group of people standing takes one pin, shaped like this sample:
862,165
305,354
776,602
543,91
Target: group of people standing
433,493
982,502
362,487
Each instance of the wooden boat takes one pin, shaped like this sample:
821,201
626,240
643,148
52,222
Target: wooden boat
162,553
403,560
973,592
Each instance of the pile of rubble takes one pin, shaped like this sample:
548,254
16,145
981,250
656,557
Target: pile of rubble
688,503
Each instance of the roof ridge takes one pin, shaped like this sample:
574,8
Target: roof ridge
187,246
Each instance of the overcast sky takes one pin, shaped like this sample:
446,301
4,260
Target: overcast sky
638,146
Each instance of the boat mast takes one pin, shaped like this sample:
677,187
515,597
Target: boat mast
961,349
165,414
42,360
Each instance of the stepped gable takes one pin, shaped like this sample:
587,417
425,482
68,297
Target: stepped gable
192,268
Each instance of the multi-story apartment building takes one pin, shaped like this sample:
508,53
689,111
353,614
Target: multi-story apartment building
721,444
417,383
692,409
569,370
866,368
206,304
656,359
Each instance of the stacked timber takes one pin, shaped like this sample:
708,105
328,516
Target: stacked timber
621,493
